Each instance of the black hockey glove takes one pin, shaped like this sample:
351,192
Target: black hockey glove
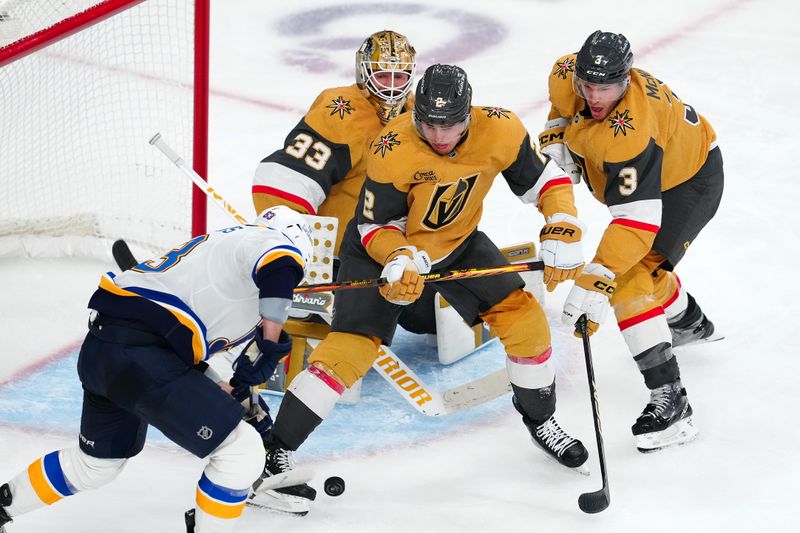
257,417
260,358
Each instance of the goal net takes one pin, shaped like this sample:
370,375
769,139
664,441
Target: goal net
83,86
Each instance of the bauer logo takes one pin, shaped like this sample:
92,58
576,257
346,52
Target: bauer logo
401,378
205,432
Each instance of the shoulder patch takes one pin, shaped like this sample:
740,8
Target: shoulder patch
341,106
496,112
385,143
562,68
620,122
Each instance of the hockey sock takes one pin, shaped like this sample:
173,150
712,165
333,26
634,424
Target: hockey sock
226,481
689,317
533,381
57,475
307,402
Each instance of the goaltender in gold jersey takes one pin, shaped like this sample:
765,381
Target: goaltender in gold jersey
321,168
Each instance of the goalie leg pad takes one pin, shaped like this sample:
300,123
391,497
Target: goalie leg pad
520,323
454,337
349,356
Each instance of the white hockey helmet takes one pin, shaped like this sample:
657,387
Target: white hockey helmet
293,225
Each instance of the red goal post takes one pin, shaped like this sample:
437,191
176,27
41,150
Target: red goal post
84,84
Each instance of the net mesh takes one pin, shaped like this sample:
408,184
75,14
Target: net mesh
76,118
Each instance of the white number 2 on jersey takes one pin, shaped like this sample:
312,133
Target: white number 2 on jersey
302,143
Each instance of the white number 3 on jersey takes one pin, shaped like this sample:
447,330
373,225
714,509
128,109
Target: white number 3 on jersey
630,180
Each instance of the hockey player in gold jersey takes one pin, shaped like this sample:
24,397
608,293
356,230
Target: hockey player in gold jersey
427,176
653,160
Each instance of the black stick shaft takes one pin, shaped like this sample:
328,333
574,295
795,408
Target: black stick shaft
598,432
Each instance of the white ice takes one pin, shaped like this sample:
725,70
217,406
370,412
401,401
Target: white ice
735,61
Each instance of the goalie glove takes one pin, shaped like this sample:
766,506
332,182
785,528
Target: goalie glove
402,272
257,415
561,251
590,296
260,357
552,144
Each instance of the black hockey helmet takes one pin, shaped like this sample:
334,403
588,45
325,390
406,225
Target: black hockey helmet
605,57
443,96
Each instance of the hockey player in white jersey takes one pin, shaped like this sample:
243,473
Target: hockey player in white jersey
151,328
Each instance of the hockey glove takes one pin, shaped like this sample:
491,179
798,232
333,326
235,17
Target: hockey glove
550,141
590,296
402,272
260,357
255,415
561,251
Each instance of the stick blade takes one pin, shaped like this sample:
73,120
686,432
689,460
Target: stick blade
594,502
123,255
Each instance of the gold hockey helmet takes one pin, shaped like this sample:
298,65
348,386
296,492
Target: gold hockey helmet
385,66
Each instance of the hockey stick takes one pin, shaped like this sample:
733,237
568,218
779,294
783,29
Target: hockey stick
156,141
429,278
395,371
594,502
195,177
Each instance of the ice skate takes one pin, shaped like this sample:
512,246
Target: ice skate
282,487
188,519
558,445
693,327
666,419
5,499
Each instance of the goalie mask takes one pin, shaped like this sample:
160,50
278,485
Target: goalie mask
293,225
385,65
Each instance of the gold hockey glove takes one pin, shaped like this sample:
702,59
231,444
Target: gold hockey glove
561,249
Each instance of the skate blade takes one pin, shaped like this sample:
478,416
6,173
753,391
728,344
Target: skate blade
283,503
296,476
680,433
713,338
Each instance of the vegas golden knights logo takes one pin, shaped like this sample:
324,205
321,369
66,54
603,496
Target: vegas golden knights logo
448,201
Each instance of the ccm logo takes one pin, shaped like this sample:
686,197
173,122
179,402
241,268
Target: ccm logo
557,230
602,286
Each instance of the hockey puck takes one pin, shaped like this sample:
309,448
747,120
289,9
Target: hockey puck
334,486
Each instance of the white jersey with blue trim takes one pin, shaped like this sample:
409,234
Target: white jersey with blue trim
208,284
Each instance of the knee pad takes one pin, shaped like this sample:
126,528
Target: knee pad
85,472
347,355
634,293
520,323
239,460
